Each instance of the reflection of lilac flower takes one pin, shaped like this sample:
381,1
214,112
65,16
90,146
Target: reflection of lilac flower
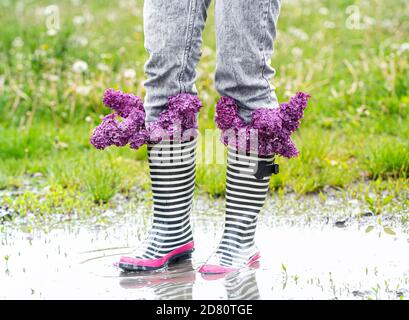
178,117
274,126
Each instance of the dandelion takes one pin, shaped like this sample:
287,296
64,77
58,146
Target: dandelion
323,11
52,32
369,21
297,52
363,111
298,33
80,41
40,53
129,74
18,42
83,90
78,20
51,77
88,17
103,67
80,66
403,47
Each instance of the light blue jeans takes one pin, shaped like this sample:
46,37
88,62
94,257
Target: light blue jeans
245,33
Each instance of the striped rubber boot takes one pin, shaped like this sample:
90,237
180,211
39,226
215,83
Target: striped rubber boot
173,169
247,183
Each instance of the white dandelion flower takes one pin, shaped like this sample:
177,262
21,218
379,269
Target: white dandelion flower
403,47
18,42
83,90
78,20
103,67
80,66
297,52
129,74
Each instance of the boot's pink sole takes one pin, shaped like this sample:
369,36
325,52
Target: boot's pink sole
134,264
215,269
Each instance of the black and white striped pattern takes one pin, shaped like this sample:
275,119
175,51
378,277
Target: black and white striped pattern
172,169
245,196
174,291
242,286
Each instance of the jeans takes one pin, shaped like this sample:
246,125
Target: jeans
245,33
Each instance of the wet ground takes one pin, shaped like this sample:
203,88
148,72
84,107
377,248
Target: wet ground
310,250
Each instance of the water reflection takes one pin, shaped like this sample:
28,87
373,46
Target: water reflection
241,285
177,282
306,256
174,283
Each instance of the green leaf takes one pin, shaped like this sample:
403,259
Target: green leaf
369,229
369,200
389,231
386,200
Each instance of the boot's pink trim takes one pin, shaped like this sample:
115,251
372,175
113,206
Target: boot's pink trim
156,263
215,269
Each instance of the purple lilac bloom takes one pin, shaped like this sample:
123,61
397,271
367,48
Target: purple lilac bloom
122,103
119,133
274,126
177,118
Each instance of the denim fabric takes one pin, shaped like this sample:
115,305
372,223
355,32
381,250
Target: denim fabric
245,33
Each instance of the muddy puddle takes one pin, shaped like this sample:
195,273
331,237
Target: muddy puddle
310,250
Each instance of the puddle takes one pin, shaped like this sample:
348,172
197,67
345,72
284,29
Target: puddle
309,251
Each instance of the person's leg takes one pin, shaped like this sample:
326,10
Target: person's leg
245,33
246,192
173,39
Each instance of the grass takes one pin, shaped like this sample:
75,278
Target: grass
354,131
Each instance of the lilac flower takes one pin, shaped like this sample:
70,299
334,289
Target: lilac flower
178,117
113,132
274,126
122,103
138,139
106,133
226,114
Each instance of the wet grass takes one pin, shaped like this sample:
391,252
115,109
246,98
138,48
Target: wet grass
355,131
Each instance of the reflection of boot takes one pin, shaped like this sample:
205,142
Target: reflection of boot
172,168
175,283
248,177
242,286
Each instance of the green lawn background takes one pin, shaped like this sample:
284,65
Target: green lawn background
351,56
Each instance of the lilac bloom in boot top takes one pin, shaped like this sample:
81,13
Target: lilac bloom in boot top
178,117
273,126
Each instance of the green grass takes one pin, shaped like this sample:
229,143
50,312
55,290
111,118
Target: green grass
355,129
